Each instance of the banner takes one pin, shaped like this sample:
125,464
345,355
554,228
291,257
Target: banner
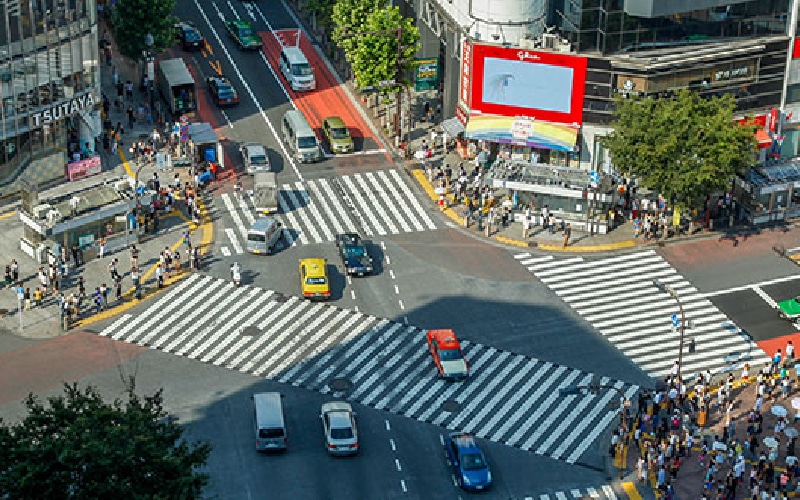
84,168
522,132
426,76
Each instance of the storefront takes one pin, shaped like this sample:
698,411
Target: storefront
770,193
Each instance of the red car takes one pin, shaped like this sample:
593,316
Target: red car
447,355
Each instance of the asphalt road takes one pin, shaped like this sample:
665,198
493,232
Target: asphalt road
745,278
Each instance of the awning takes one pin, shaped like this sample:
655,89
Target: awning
452,127
763,138
522,132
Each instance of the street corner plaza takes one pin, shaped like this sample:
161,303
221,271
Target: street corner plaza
313,211
510,399
617,296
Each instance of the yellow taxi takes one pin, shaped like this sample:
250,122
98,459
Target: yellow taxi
314,279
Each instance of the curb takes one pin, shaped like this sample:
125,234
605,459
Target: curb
451,214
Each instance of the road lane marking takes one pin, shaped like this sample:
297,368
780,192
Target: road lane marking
743,288
769,300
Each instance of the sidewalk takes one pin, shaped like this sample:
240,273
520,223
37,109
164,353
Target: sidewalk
44,321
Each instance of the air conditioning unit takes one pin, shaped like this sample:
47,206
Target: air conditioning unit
550,41
40,211
526,43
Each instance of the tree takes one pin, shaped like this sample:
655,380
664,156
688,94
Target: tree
350,16
78,446
321,10
375,56
134,19
684,147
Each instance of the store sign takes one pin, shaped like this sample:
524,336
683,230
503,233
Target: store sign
84,168
628,85
63,110
466,68
522,129
731,74
427,74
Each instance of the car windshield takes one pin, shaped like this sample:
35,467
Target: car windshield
354,251
245,32
339,133
473,461
226,93
256,237
306,142
449,354
258,160
192,36
302,70
341,433
270,433
316,281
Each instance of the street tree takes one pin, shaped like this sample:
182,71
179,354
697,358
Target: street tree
349,18
134,19
79,446
377,57
684,148
321,10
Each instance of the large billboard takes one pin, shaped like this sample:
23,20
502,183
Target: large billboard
504,81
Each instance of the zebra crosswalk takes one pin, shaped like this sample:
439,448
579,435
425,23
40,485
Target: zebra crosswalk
373,203
604,492
617,295
509,398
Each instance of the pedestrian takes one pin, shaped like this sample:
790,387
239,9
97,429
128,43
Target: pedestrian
551,223
789,351
104,293
118,289
101,247
131,116
98,299
159,276
14,270
27,297
567,234
176,259
526,226
776,359
112,269
134,256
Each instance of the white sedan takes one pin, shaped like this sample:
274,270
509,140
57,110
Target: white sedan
339,426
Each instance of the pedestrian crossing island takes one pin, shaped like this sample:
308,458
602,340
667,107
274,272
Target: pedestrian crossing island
374,204
509,398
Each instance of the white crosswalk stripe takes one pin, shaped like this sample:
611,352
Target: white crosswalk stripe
606,492
618,297
373,203
509,398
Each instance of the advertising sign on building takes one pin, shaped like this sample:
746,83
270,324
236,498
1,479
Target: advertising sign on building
426,76
62,110
514,82
84,168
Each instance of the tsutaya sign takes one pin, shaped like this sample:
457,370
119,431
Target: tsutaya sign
63,110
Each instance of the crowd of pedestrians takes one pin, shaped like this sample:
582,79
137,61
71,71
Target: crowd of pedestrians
714,434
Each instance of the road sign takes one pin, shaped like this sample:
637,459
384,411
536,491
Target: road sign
594,176
184,119
675,320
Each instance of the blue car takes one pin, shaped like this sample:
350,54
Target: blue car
468,462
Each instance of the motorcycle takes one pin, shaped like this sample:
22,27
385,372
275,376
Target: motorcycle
236,274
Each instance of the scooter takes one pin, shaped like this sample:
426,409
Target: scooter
236,274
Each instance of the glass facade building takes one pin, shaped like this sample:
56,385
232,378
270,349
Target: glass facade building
50,87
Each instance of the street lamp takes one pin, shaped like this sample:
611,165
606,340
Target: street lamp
149,41
682,327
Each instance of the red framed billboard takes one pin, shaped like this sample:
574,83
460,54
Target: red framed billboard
507,81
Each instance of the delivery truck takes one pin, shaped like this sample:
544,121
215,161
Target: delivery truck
265,192
177,86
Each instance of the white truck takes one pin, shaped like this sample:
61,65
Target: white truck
265,192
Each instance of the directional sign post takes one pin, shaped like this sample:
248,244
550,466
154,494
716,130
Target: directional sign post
20,302
594,176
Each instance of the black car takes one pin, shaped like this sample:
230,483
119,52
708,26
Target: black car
189,36
354,254
222,91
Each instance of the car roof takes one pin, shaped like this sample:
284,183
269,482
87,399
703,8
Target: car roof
335,122
254,147
315,266
464,441
445,338
336,406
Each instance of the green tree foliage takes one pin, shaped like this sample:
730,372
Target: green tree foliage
78,446
375,58
349,17
683,148
134,19
321,9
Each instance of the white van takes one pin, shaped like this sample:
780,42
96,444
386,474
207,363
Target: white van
269,425
296,70
300,137
264,235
